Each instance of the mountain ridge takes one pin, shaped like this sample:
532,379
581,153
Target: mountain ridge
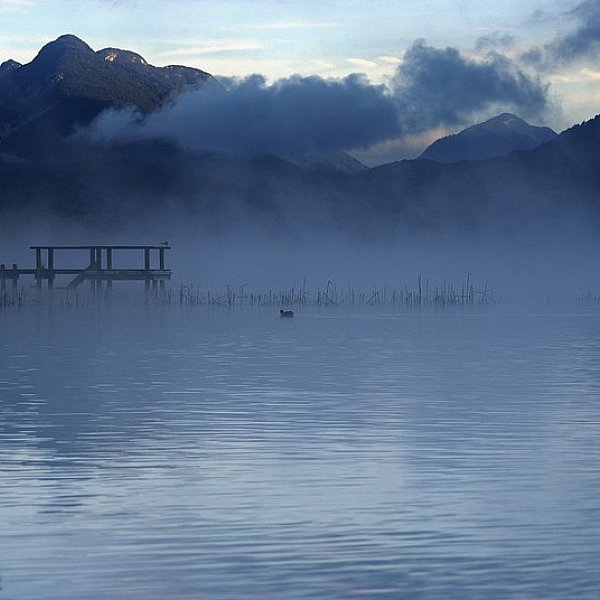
8,66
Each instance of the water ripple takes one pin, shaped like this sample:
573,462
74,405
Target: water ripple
227,455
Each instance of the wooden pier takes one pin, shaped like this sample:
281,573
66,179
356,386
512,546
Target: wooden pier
99,270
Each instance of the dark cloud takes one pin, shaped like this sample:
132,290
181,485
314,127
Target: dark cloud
294,115
432,88
435,87
583,42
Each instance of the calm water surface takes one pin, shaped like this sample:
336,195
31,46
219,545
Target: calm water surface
160,453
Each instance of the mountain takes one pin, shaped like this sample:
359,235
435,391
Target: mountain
44,170
495,137
68,84
554,184
8,66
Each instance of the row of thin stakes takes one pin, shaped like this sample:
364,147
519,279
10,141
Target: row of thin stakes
297,296
17,298
333,295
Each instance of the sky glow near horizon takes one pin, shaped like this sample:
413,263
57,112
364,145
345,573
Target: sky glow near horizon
334,39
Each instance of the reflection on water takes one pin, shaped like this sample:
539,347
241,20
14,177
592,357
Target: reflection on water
208,453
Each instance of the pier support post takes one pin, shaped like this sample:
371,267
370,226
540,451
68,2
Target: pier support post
109,266
147,268
98,262
50,268
15,277
38,267
161,265
92,269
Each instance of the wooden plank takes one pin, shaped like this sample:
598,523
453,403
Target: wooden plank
10,273
103,247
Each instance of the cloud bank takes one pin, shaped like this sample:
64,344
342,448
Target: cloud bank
294,115
432,88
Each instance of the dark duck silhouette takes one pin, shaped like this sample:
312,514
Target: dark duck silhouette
286,313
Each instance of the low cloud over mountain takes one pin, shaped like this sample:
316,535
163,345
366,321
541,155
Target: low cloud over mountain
431,88
68,86
295,115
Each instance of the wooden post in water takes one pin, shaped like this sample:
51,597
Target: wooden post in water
98,268
161,266
38,267
15,279
2,280
92,268
147,268
109,266
50,268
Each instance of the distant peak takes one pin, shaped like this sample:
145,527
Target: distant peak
69,40
8,66
121,56
65,48
63,45
497,136
505,119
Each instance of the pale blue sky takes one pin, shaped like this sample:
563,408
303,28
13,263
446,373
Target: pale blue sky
330,38
274,37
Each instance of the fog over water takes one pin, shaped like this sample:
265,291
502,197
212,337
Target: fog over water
559,262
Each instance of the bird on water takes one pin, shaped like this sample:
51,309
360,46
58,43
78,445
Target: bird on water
286,313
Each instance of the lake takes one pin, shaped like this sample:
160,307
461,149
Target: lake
201,452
